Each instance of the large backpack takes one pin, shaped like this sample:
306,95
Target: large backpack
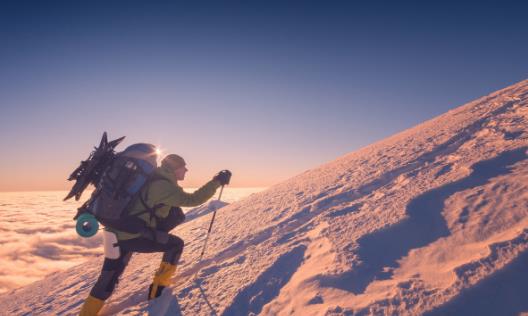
118,179
121,184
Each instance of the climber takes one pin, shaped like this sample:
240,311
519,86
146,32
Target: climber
158,206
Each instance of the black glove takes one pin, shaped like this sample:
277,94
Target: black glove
223,177
176,216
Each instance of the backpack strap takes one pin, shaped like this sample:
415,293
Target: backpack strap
150,210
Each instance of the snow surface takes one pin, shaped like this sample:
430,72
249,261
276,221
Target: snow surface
432,220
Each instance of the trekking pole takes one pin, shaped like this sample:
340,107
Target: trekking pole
209,231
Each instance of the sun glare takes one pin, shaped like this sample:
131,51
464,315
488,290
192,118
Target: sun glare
159,154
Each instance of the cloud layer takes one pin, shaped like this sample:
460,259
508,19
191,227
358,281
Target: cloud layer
37,237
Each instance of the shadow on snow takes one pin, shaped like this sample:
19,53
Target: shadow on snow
253,298
424,225
503,293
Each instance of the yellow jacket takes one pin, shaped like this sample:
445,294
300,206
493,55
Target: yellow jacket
164,189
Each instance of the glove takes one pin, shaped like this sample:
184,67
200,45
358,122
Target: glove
177,214
223,177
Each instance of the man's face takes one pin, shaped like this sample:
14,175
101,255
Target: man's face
180,173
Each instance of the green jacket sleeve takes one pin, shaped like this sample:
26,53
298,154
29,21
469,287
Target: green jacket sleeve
173,195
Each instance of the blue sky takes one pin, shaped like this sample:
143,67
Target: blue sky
266,89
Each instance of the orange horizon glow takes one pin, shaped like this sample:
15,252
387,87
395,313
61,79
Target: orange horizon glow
56,181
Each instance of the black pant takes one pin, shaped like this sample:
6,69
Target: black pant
113,268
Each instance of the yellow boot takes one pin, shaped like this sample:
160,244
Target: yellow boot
161,279
91,306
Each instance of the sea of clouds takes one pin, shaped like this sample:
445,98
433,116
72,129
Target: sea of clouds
37,235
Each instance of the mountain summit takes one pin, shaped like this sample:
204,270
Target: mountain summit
432,220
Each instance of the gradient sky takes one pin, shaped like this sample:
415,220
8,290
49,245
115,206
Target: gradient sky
267,89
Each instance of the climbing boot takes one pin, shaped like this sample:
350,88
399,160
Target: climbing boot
156,293
91,306
161,279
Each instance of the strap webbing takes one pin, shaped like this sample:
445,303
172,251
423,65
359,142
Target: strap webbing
151,210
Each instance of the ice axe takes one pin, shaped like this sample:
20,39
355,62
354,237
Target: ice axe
209,231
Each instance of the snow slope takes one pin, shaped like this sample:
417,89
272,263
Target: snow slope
431,220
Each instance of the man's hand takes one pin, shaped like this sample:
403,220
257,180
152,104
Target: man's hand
177,214
223,177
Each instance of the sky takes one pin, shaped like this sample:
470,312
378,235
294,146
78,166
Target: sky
267,89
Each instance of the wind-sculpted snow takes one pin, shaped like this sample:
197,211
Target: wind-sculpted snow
425,224
267,285
428,220
497,295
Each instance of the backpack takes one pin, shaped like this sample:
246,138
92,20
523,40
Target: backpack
118,181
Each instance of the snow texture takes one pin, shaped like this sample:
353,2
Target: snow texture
432,220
